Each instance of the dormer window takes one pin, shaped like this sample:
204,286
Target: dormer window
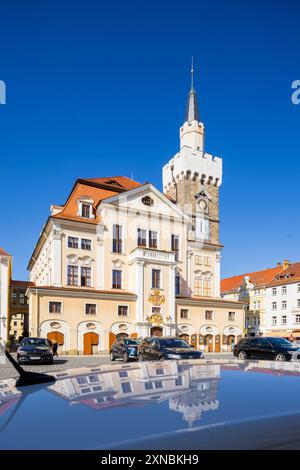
85,208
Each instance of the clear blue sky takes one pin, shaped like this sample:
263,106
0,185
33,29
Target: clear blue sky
99,88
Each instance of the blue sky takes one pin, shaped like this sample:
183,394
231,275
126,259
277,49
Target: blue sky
99,89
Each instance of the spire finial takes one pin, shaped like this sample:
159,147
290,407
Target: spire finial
192,111
192,73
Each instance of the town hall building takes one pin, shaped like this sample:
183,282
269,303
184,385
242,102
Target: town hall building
123,258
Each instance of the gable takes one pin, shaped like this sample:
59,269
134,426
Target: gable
145,199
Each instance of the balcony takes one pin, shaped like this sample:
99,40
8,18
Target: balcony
148,254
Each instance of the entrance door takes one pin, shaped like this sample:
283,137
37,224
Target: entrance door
230,342
56,336
194,341
90,343
217,343
156,331
208,343
111,340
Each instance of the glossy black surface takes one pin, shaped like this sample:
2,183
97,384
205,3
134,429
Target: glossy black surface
155,405
125,349
35,350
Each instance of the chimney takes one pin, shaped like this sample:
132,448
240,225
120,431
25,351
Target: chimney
285,263
278,264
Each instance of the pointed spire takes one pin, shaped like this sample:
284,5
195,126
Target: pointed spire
192,110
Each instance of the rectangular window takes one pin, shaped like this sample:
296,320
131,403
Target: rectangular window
22,298
160,371
122,310
283,320
298,302
283,290
209,315
123,373
86,277
86,211
298,287
126,387
178,381
274,321
14,297
86,244
149,386
207,261
184,313
117,238
152,239
283,305
117,279
274,291
72,275
198,287
159,384
198,259
231,316
207,287
155,278
142,237
298,318
72,242
274,305
175,246
177,285
54,307
90,309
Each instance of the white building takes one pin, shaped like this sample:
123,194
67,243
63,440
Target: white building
283,304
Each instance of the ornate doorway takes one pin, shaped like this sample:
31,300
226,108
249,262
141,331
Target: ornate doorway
90,343
156,331
208,343
56,336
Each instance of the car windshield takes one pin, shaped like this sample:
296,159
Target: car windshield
174,343
282,342
131,342
34,342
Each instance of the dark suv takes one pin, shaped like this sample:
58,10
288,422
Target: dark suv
278,349
124,348
160,348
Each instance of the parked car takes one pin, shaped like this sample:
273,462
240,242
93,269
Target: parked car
160,348
124,348
278,349
34,350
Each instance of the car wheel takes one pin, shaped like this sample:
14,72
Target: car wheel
125,357
112,356
280,357
242,355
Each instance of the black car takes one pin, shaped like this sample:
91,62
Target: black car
160,348
124,348
34,350
278,349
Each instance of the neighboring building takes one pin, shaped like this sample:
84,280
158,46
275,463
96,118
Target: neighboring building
251,288
5,275
19,309
283,304
120,257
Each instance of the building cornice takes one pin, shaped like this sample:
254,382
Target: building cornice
209,302
89,293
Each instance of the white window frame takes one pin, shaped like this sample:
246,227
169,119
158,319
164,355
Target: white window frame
179,245
161,277
122,278
274,321
67,242
274,306
188,315
61,309
274,291
128,311
283,290
82,249
90,314
122,238
213,315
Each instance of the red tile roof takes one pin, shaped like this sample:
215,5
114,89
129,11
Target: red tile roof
97,189
288,275
259,278
3,253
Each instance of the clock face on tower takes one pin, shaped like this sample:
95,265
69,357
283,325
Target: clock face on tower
202,204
